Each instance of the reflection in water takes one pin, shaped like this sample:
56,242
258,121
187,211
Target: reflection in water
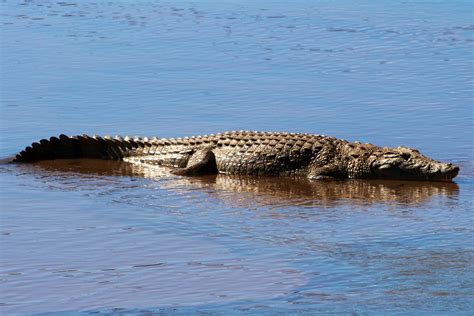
233,242
265,190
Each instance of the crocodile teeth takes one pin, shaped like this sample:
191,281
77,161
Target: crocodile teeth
385,166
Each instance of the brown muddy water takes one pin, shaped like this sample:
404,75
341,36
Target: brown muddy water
101,237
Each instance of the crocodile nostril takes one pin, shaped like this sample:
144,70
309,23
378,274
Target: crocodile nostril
405,156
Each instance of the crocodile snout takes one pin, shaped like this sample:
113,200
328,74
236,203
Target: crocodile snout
449,171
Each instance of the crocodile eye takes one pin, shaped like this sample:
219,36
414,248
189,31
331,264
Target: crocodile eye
405,156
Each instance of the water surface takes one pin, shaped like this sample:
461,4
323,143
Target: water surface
91,236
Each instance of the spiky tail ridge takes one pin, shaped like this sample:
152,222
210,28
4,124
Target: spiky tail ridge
65,147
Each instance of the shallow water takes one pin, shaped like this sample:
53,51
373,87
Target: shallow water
93,236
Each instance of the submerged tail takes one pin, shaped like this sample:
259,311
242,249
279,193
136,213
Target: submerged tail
65,147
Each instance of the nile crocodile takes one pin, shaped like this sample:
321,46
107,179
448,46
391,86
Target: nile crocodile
251,153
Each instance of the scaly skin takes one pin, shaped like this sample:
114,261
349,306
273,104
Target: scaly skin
252,153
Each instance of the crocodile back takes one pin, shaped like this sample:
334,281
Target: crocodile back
268,153
236,152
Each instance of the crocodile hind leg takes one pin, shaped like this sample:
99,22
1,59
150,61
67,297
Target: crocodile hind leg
201,162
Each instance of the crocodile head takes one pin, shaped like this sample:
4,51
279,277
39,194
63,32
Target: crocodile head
368,161
408,163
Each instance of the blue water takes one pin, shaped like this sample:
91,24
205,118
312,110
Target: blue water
79,239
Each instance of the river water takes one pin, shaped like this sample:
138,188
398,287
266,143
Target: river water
105,237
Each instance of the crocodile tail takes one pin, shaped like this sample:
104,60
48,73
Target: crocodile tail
74,147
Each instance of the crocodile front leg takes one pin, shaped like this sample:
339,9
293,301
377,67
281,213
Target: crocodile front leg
328,172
